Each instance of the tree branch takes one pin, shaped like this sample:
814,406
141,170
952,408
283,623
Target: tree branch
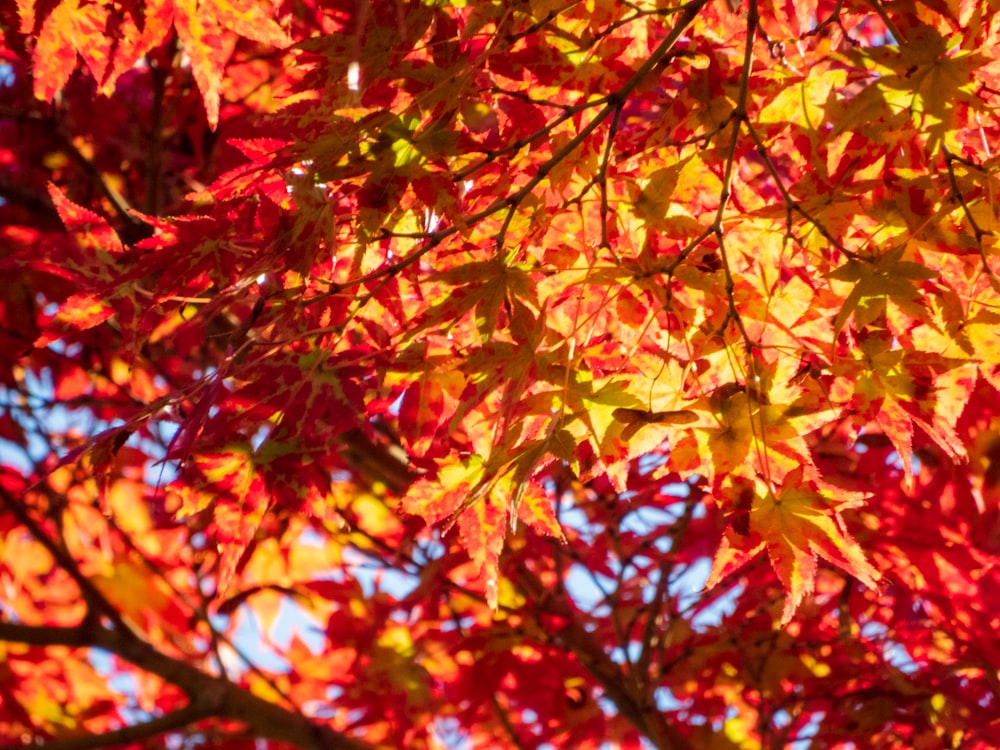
222,698
618,685
97,604
136,732
65,140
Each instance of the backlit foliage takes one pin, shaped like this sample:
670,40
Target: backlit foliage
411,374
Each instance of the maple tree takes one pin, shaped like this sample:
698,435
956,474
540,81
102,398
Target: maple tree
537,374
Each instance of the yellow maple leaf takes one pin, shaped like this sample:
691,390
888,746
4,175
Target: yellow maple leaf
801,524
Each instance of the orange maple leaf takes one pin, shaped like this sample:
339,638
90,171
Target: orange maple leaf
797,525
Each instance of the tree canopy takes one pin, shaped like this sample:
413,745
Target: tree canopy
529,374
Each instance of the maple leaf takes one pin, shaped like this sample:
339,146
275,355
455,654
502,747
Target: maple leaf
98,242
78,313
209,31
235,490
143,599
94,259
931,75
798,525
898,390
739,431
887,279
480,505
601,406
429,404
611,414
983,332
139,29
72,27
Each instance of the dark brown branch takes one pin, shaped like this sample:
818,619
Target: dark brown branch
227,700
739,117
117,200
171,722
793,205
199,611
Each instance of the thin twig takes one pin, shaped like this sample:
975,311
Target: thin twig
979,232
